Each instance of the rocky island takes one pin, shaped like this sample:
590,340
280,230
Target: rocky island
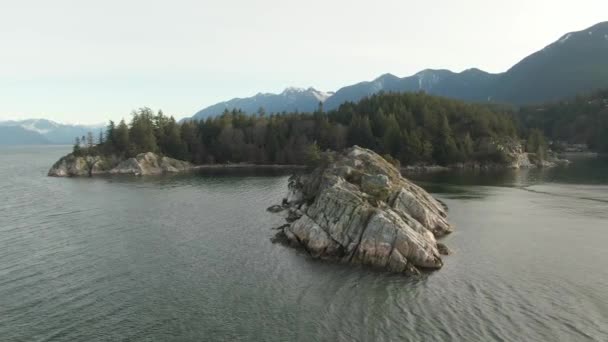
357,208
140,165
508,154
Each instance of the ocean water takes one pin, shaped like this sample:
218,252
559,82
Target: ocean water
189,258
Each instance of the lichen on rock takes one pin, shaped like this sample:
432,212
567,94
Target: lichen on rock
357,208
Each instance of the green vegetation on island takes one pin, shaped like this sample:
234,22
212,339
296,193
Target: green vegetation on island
582,120
410,127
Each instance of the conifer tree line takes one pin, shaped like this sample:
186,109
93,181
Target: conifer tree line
410,127
582,120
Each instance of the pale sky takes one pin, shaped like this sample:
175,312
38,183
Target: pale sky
81,61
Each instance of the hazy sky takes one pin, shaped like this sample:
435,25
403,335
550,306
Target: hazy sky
90,61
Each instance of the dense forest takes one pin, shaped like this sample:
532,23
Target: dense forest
582,120
410,127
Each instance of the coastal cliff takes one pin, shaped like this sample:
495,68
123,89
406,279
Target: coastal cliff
357,208
140,165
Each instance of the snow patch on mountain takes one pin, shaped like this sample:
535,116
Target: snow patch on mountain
35,125
322,96
39,126
293,92
55,132
427,79
565,38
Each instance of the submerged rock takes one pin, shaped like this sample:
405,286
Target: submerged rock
357,208
276,208
142,164
443,249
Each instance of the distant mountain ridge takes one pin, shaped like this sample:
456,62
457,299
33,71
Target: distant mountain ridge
576,63
17,135
42,131
469,85
290,100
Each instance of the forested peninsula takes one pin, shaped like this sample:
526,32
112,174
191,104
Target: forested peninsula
406,128
582,120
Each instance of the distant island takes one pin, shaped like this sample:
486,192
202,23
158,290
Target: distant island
408,129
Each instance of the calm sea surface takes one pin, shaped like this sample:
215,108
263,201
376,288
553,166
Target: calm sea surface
189,258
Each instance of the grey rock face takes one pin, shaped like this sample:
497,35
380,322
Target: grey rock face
72,166
150,164
142,164
357,208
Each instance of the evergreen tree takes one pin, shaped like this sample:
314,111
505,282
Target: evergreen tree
313,154
121,139
536,144
392,138
360,132
411,127
467,146
110,141
90,141
76,150
261,112
445,149
142,132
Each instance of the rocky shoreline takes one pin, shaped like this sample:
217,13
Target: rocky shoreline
519,160
140,165
357,208
144,164
152,164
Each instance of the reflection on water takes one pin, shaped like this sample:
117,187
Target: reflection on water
586,175
583,170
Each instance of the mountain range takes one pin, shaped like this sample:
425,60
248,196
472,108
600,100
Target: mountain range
41,132
290,100
576,63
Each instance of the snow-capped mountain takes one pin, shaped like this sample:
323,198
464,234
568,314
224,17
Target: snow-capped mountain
577,62
469,85
290,100
42,131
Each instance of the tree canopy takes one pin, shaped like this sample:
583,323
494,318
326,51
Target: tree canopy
410,127
582,120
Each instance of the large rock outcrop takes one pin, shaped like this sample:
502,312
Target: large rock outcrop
142,164
72,166
357,208
150,164
508,153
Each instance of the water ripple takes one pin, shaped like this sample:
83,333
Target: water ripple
189,258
